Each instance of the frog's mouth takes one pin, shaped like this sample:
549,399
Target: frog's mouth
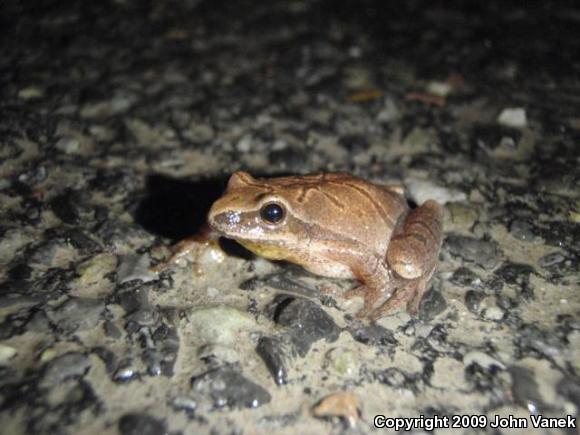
269,252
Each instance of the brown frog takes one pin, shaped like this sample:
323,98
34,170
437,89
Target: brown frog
340,226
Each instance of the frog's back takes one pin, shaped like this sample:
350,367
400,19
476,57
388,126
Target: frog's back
349,206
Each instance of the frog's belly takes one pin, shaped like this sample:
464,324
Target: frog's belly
329,269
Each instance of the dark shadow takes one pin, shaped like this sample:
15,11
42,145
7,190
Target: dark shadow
177,208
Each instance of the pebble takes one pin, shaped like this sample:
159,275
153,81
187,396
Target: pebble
390,112
6,353
135,267
552,259
66,366
484,253
525,389
31,93
432,304
473,300
64,206
482,359
493,313
307,323
274,356
94,269
68,145
220,324
343,362
141,424
374,335
462,214
421,190
513,117
77,314
226,387
522,230
465,277
343,404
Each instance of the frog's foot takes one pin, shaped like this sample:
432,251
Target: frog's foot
411,293
192,246
327,289
186,247
357,291
401,295
369,296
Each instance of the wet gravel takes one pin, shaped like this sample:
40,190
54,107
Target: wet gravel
120,123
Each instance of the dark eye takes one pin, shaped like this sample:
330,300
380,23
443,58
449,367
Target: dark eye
272,213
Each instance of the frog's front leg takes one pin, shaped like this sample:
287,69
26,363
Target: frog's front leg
191,246
412,255
377,282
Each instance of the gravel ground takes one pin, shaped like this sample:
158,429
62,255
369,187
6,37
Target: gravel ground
120,122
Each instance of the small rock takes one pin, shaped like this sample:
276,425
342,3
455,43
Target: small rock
307,322
220,324
441,89
354,143
69,365
525,389
95,268
473,300
6,353
135,267
274,356
552,259
395,378
68,144
226,387
513,117
244,145
103,109
421,190
482,359
134,299
374,335
432,304
288,158
462,214
522,230
569,387
493,313
343,362
79,240
77,314
31,93
343,404
481,252
465,277
65,207
141,424
389,112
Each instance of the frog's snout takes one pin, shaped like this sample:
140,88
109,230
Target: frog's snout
224,221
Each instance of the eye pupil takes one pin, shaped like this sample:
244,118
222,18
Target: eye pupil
272,213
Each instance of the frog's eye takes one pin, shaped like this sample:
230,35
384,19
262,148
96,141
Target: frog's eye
272,212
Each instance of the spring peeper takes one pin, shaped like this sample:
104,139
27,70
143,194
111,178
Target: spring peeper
340,226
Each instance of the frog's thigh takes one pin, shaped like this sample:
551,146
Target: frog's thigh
413,252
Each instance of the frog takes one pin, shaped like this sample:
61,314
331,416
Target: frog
337,225
340,226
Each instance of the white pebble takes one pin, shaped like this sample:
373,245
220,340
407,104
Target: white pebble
513,117
421,190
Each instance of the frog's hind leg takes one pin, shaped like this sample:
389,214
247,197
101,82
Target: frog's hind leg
412,255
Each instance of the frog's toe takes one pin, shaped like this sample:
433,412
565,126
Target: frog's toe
360,290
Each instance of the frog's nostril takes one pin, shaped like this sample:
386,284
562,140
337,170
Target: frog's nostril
226,220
